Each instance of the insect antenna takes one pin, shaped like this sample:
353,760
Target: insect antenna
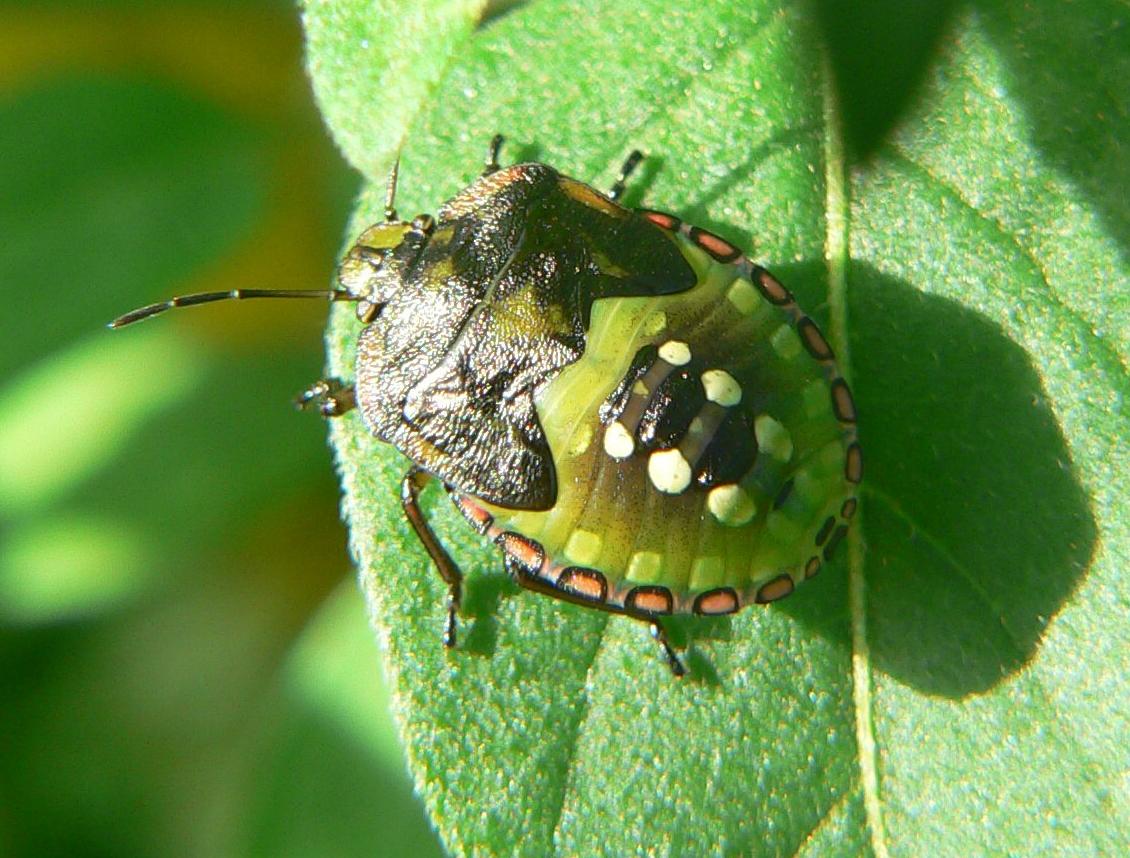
390,192
234,295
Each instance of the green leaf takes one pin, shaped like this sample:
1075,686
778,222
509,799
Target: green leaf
957,686
373,65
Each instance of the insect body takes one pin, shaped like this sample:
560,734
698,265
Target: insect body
640,417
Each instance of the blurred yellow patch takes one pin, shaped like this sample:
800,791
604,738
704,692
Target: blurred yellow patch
232,56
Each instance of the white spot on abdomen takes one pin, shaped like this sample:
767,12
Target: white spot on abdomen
721,387
618,441
675,352
669,471
773,438
731,505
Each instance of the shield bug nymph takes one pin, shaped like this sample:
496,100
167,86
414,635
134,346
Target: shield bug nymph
640,417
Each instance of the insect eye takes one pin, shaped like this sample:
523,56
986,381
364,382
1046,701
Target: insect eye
372,256
423,224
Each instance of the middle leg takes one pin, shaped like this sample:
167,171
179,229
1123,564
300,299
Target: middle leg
414,482
630,164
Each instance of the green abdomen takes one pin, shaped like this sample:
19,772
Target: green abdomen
704,442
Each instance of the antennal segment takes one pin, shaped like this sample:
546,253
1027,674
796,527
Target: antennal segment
390,192
145,312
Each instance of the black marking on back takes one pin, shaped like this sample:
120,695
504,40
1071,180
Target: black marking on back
672,407
783,494
614,405
722,447
731,452
833,543
825,530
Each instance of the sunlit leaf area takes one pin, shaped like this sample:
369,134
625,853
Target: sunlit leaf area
943,186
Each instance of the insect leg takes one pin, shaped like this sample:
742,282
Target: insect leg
523,577
330,396
491,164
630,165
414,482
673,661
390,192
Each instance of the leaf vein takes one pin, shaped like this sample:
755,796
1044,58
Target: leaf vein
824,820
1074,748
963,572
837,252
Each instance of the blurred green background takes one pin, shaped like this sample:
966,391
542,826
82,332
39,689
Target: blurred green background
185,661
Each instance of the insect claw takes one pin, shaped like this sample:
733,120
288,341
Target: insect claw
491,163
332,398
450,626
626,170
673,660
390,191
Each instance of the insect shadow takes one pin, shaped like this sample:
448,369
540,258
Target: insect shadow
487,589
687,632
482,600
976,528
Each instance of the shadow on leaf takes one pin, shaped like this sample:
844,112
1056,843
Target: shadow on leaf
1069,73
976,528
879,53
483,594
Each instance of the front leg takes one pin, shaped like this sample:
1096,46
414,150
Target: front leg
330,396
414,482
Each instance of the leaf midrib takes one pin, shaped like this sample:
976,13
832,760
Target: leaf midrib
837,219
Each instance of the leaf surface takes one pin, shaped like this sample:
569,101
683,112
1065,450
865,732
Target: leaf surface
967,659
